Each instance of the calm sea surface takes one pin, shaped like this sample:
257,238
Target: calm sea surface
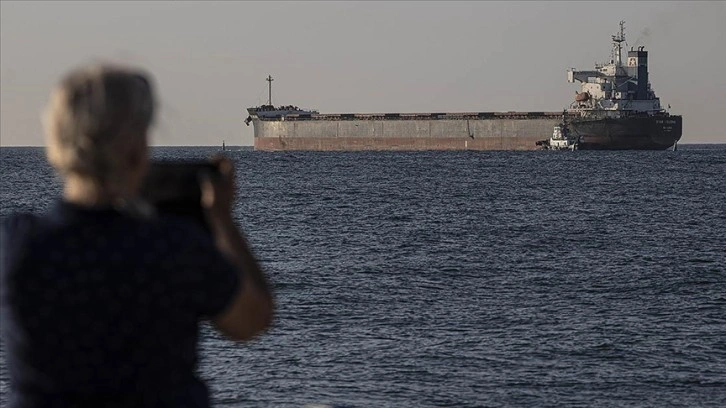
469,279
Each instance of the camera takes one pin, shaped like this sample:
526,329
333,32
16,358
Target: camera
173,187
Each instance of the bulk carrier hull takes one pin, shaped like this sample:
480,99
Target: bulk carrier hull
464,131
636,133
477,131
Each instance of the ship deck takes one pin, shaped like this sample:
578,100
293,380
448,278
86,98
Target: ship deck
414,116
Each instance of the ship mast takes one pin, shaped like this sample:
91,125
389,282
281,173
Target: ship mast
617,44
269,79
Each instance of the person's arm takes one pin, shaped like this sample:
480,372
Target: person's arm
251,310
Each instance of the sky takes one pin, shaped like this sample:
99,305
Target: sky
209,60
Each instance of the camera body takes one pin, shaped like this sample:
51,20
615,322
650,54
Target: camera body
173,187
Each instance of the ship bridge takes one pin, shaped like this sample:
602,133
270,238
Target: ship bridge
616,87
582,76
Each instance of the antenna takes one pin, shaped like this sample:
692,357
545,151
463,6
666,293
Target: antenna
269,79
618,39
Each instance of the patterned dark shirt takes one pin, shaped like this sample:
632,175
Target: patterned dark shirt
102,309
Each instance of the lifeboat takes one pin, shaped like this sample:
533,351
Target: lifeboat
582,97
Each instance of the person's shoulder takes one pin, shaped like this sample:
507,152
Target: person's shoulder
19,223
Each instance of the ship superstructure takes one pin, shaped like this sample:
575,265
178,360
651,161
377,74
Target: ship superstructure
615,109
616,89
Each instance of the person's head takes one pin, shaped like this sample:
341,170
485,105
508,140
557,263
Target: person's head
97,125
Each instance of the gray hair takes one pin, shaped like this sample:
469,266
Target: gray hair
96,117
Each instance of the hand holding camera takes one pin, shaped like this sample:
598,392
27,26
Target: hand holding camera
217,190
200,190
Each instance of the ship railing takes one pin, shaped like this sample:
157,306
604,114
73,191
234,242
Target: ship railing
411,116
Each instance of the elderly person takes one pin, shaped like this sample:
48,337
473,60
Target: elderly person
101,303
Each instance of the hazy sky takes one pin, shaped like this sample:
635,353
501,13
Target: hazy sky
210,59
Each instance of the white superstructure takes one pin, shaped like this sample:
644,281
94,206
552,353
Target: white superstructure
615,89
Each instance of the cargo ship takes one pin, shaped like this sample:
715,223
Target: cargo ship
615,109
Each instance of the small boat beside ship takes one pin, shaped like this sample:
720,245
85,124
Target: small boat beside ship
561,139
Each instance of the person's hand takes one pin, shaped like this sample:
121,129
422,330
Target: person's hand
218,190
252,309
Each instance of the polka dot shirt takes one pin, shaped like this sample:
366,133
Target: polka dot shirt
100,308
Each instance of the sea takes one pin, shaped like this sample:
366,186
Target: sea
467,279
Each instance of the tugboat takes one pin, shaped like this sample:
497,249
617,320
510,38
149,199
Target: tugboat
562,138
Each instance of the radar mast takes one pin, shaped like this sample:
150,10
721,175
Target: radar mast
618,39
269,79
